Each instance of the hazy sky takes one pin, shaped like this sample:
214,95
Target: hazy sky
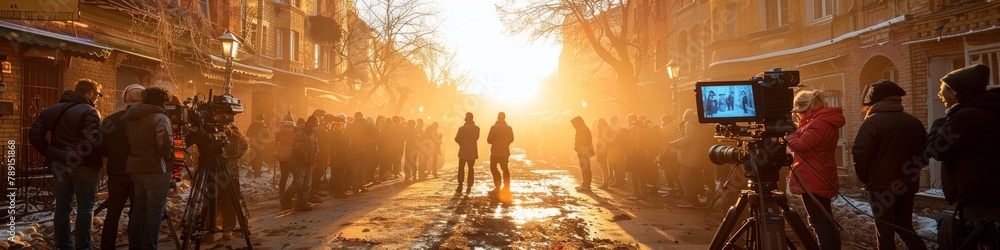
504,66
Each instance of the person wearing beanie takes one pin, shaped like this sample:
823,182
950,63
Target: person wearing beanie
288,117
966,141
584,147
260,137
887,142
304,154
115,147
468,151
815,142
500,137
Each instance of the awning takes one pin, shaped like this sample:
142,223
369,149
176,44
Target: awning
327,95
75,46
285,73
244,69
938,38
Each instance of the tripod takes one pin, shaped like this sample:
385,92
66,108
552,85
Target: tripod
767,209
213,177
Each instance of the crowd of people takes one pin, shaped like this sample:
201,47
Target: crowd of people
343,156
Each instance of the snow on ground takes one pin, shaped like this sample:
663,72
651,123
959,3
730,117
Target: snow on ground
35,230
854,216
933,192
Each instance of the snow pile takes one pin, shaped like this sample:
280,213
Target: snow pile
932,192
858,224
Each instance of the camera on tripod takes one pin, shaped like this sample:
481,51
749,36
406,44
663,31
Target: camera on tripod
753,114
205,116
756,115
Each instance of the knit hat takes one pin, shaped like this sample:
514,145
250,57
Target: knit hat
288,117
968,82
359,115
342,117
468,116
880,90
132,94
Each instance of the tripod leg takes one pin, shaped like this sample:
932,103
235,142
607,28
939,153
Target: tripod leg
173,230
747,226
238,205
729,222
192,208
797,225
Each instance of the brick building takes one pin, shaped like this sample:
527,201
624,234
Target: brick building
838,46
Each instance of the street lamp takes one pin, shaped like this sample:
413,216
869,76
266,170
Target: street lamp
230,47
583,103
421,108
673,72
357,85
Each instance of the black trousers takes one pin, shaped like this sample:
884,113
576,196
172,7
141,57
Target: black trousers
826,233
119,192
896,209
502,162
471,163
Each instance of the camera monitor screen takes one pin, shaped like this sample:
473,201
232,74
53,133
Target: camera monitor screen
722,102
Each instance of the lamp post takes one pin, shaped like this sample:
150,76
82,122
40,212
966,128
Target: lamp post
673,72
230,47
421,108
356,86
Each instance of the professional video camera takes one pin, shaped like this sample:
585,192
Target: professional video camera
756,115
204,123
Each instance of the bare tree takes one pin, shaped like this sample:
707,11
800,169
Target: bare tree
616,30
400,31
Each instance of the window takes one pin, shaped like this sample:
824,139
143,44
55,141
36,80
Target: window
822,8
203,7
775,13
268,47
293,45
279,40
316,55
294,3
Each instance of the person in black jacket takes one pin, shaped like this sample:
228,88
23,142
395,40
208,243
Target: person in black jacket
304,154
584,147
340,157
500,137
966,142
468,152
260,136
75,127
888,140
149,162
364,140
115,146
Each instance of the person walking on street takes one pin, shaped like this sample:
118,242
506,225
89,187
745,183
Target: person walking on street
889,139
260,136
468,151
285,138
304,154
814,144
966,142
59,132
433,136
584,147
500,137
115,146
151,142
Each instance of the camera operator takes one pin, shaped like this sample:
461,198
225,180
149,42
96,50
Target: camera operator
116,147
883,149
966,142
814,169
151,142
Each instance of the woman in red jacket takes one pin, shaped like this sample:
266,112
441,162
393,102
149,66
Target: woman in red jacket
814,169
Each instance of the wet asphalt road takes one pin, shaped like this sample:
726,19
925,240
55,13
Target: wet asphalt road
542,211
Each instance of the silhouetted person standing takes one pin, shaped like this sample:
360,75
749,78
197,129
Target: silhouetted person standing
584,147
284,138
304,153
468,151
364,139
884,149
500,137
74,124
260,136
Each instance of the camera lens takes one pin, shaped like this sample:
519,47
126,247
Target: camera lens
722,154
